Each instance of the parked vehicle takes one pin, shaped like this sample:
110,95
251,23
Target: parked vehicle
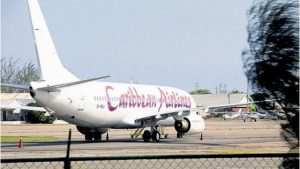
252,116
231,115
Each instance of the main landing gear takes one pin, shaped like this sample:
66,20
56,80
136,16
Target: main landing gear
93,135
154,135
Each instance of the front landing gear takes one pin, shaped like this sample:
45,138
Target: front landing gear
180,135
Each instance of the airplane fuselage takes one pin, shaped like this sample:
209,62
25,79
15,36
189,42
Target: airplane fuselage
112,105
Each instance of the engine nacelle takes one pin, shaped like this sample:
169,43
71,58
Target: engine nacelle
86,130
182,126
192,124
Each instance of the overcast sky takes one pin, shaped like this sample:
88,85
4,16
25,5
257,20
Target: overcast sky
172,42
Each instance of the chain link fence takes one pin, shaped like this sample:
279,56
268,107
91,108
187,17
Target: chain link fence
159,161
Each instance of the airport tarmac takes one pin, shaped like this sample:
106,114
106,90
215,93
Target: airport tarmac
230,136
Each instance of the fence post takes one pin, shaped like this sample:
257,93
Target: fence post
67,160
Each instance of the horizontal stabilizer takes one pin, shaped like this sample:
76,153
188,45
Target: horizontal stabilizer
17,86
55,87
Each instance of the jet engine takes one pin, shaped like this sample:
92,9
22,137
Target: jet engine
182,126
192,124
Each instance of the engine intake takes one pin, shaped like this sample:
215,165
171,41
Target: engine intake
32,92
182,126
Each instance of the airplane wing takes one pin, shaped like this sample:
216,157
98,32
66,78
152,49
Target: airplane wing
206,109
177,115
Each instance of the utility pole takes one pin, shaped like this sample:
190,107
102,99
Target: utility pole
197,85
247,94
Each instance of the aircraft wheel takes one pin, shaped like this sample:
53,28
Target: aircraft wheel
146,136
88,137
97,136
156,136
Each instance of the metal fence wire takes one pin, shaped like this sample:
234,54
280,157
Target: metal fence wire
159,161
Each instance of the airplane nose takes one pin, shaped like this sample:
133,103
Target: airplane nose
32,92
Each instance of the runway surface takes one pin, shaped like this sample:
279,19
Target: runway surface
233,136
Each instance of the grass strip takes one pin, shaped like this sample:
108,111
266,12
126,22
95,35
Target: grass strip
14,139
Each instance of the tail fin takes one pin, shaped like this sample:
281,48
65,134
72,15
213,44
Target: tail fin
50,66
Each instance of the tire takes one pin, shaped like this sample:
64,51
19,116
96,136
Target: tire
97,136
88,136
156,136
146,136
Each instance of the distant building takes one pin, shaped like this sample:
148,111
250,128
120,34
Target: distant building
9,111
9,100
209,100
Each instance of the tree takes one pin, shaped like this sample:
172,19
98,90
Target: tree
235,91
201,91
38,117
11,72
272,59
252,107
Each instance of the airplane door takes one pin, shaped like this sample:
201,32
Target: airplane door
81,99
81,104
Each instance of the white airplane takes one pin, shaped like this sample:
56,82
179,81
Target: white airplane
95,106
